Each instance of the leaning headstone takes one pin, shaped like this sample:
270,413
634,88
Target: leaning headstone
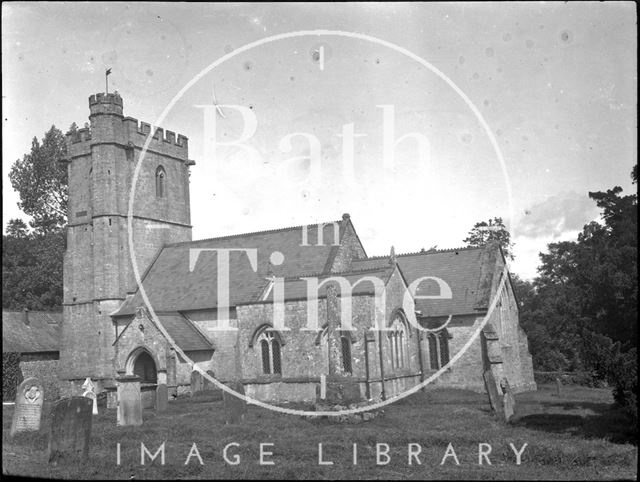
508,402
197,385
89,392
558,387
235,408
129,401
162,397
28,408
492,392
70,431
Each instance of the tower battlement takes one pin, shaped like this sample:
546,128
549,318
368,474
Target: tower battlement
102,98
109,125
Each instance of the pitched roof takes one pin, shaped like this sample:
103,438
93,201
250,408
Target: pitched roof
184,332
186,335
296,288
171,286
42,334
460,268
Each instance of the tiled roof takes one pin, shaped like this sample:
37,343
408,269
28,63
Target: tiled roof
459,268
296,288
184,333
170,285
42,334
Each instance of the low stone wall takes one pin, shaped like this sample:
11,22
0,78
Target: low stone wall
281,392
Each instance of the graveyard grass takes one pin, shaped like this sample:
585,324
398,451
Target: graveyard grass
578,436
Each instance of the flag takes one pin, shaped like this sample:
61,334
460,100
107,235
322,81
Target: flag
108,72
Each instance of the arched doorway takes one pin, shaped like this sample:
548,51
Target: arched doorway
145,368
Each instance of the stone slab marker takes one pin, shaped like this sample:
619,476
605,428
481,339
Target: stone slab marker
492,391
162,398
235,408
129,401
28,409
558,387
508,401
197,384
70,431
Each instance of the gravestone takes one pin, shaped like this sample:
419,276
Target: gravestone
70,431
28,408
197,385
558,387
89,392
162,398
508,401
492,391
235,408
129,401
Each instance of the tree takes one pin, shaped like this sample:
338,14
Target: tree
32,270
493,230
41,182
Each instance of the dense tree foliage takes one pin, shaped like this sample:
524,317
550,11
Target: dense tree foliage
31,268
580,312
32,256
41,182
492,230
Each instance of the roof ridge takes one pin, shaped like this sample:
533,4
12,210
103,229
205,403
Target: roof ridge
276,230
432,251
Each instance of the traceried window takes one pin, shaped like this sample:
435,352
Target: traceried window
398,342
270,350
161,179
438,346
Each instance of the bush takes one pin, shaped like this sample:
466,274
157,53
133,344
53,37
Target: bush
624,377
11,376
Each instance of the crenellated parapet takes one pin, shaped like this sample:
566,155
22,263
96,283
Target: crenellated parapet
164,142
109,126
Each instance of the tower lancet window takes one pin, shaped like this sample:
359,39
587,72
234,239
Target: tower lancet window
161,180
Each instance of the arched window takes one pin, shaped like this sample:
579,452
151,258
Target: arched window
270,350
438,349
397,341
160,181
346,354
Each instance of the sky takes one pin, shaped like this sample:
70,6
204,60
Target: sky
553,83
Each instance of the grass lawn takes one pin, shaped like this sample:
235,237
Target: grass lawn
578,436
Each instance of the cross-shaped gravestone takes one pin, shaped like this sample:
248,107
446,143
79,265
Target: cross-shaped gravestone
89,392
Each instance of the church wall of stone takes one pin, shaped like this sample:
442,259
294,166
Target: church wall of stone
516,364
466,372
399,379
350,249
141,333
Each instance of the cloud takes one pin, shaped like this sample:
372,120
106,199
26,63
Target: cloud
557,215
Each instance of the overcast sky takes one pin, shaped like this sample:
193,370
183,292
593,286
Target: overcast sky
556,84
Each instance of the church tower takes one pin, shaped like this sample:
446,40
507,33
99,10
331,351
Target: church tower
98,271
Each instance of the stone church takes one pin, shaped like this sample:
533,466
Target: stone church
109,332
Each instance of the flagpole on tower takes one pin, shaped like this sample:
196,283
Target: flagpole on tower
106,80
